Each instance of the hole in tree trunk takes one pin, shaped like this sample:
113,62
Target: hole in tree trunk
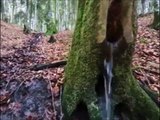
99,87
114,34
122,112
81,112
114,25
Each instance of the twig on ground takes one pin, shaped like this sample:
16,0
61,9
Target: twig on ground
50,85
146,69
7,84
61,113
48,65
16,90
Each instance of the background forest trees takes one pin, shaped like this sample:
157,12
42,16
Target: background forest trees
156,22
38,14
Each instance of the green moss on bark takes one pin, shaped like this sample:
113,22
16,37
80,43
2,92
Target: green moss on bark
128,92
85,60
82,67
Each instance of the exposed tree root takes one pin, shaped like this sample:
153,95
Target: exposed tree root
151,94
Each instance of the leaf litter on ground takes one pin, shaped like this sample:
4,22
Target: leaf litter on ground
146,62
28,95
25,94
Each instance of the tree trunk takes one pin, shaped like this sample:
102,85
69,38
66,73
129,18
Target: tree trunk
156,21
102,24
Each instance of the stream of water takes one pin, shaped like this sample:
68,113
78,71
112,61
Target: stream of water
107,82
105,101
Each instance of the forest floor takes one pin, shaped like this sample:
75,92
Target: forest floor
27,94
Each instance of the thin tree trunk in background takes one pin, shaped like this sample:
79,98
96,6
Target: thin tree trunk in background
156,21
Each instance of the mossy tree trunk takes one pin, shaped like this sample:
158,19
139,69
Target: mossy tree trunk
87,55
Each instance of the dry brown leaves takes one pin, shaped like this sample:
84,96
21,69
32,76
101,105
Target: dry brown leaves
18,53
146,58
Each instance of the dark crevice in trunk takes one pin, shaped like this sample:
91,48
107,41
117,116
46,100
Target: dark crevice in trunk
122,112
114,41
114,25
81,112
99,87
114,35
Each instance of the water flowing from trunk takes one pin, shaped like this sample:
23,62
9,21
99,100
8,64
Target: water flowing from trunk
107,83
105,100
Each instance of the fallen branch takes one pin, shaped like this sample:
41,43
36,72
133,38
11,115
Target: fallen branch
53,101
146,69
48,65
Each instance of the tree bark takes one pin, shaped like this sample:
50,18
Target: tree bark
86,58
156,21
